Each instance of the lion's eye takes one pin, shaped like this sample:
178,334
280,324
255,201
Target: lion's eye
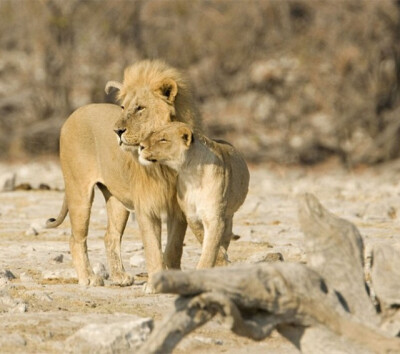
122,107
163,140
139,108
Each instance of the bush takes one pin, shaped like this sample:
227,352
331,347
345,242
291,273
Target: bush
287,81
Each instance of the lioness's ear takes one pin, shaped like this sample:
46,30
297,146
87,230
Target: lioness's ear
168,88
186,135
112,84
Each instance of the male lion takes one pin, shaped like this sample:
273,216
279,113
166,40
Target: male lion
213,181
98,146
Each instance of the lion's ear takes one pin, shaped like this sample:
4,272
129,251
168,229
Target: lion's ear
112,85
186,135
168,88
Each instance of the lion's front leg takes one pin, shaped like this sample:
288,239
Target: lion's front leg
117,218
176,227
150,229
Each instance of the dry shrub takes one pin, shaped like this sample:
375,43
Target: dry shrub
290,81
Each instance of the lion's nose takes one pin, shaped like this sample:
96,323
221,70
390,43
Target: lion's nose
119,132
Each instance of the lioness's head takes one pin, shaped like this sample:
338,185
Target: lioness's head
151,96
167,145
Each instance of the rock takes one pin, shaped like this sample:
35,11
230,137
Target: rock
5,277
137,261
7,182
9,304
59,273
23,187
268,257
12,340
31,232
24,277
100,269
34,229
58,259
40,295
7,274
44,187
110,338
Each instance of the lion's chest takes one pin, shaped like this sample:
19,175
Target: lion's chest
198,197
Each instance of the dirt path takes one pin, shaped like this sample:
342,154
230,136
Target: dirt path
44,305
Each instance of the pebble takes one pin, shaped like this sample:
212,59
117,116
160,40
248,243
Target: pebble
40,295
266,257
24,277
13,339
7,274
31,232
9,304
100,269
137,260
59,273
58,259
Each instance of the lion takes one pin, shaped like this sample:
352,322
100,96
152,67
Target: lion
213,181
98,147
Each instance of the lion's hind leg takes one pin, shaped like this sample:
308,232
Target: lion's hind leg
222,258
213,233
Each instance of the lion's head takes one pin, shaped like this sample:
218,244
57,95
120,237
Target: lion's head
167,145
151,95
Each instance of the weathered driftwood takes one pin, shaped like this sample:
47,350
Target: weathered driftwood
335,249
385,275
385,279
316,309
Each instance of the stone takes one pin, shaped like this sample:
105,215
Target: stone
34,229
12,340
24,277
266,257
59,273
137,261
5,277
40,295
9,304
24,187
7,274
58,259
116,337
44,187
100,269
31,232
7,182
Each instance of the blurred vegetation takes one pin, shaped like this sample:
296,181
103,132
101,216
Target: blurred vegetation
287,81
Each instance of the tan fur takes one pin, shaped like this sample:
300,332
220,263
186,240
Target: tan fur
91,153
213,181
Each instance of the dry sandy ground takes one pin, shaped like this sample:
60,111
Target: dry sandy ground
53,306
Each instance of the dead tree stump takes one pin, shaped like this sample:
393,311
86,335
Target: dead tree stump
322,307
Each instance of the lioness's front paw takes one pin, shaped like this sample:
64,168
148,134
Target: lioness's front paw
92,280
123,279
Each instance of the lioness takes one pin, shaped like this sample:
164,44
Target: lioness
98,146
213,181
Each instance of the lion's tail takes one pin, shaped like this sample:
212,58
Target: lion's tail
51,223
